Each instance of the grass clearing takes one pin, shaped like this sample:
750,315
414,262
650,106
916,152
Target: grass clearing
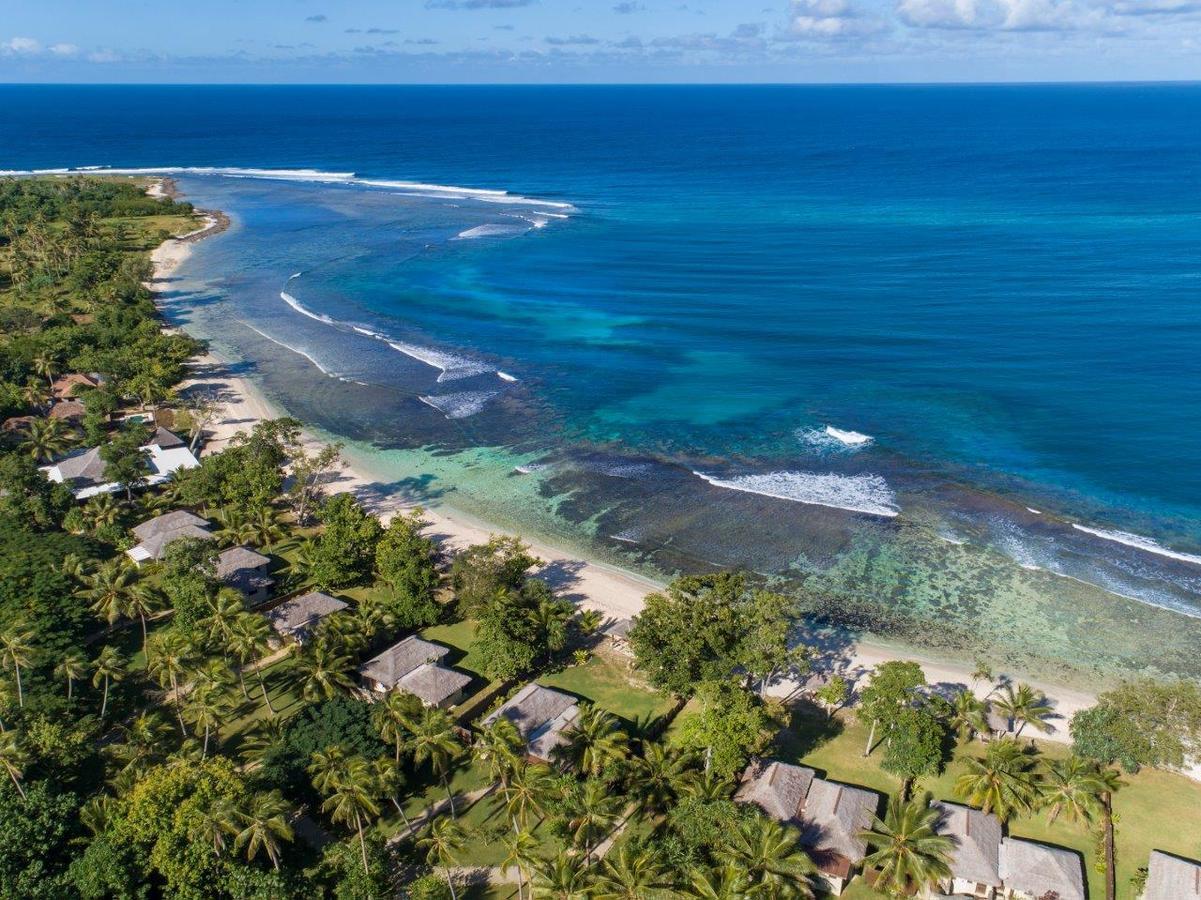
607,679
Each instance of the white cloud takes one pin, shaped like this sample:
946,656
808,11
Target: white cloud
830,19
1001,15
104,56
21,45
64,49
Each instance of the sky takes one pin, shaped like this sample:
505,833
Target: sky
598,41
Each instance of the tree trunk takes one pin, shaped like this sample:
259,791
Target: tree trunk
263,686
362,843
183,729
104,703
70,684
400,809
871,737
16,784
242,682
204,753
1110,875
450,798
450,883
21,693
143,618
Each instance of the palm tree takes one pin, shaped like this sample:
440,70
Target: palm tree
528,786
101,511
656,777
909,852
109,588
1072,787
434,740
13,758
351,798
217,820
771,855
141,741
498,746
565,877
1025,706
520,852
595,810
442,844
45,365
323,672
969,716
264,825
631,876
262,740
1002,782
46,439
17,650
71,667
249,640
109,667
328,767
168,655
553,616
389,780
593,741
1110,782
235,529
223,611
392,716
726,882
143,601
203,708
264,527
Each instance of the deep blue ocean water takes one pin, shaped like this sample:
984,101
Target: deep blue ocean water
988,295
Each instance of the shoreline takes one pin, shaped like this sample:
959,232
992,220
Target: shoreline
592,584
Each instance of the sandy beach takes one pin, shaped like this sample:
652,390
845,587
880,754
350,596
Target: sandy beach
615,593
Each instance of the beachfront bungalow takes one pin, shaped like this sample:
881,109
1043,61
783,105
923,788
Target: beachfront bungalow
1172,878
84,470
413,666
70,385
976,859
1031,871
830,815
67,411
155,535
541,715
245,570
166,440
296,618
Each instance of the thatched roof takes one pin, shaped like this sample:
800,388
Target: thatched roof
67,409
167,522
779,789
166,439
1172,878
834,815
432,683
1039,870
303,612
977,836
241,569
399,660
541,714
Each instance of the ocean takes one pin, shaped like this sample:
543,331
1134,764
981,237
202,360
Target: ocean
927,357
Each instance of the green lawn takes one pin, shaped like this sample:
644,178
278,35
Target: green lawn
461,637
1154,810
608,680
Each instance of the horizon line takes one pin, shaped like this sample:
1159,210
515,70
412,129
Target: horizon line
610,84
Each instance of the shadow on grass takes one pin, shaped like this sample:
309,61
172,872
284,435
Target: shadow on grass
809,727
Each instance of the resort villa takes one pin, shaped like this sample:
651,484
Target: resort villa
541,715
1172,878
296,618
84,471
245,570
155,535
413,666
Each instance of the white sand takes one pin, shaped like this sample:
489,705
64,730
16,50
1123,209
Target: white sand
615,593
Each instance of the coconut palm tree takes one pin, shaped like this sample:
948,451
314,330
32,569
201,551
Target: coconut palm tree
442,844
656,777
553,616
214,822
46,438
323,672
389,780
168,656
249,640
593,741
109,668
140,741
72,667
434,741
626,875
17,650
264,527
328,767
1071,787
595,810
223,611
526,791
109,588
1002,782
392,716
498,747
909,852
264,824
771,855
236,529
1110,782
46,365
351,798
727,882
202,708
144,600
564,877
1025,706
521,851
13,758
262,740
101,511
969,716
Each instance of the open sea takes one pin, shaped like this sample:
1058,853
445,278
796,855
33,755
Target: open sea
929,357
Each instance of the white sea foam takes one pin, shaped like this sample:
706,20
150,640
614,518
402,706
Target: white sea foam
830,438
304,310
505,376
1037,512
856,493
459,406
491,230
1139,543
299,352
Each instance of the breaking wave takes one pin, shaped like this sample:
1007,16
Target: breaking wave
1139,543
459,406
855,493
482,231
830,438
299,352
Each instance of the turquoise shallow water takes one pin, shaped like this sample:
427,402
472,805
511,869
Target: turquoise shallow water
900,345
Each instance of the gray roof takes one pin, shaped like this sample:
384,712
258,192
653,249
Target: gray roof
835,814
620,629
303,612
541,714
237,559
167,522
166,439
400,659
1038,870
433,683
977,835
777,788
1172,878
84,466
156,545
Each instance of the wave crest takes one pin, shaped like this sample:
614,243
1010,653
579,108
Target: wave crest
829,438
868,494
1139,543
